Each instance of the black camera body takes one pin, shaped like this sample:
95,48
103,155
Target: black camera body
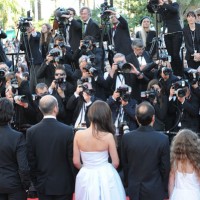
192,76
154,4
21,98
23,23
82,80
105,16
166,71
59,81
85,45
123,67
124,92
180,87
91,70
58,14
149,95
55,53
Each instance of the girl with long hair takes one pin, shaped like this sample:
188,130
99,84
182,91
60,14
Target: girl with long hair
184,181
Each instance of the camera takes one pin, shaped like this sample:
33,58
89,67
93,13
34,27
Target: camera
192,76
21,98
91,70
83,80
154,4
55,53
180,87
123,128
85,44
23,23
58,14
105,16
124,67
149,95
124,92
87,90
166,71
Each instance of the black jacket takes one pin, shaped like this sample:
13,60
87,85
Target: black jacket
50,152
14,169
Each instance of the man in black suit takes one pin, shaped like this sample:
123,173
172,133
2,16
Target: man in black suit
119,33
145,158
90,28
50,151
14,169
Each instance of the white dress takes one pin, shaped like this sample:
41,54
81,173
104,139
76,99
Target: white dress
187,187
98,179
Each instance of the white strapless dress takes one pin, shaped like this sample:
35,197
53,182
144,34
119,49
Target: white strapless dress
187,187
98,179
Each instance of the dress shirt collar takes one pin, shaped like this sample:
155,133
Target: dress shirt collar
49,116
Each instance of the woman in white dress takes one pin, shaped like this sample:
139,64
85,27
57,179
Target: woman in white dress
97,178
184,181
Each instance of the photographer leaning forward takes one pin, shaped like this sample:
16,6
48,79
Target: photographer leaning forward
172,30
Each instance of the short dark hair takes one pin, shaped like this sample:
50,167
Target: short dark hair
6,111
191,13
144,113
72,9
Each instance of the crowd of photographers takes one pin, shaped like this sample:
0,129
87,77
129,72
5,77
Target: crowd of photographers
74,72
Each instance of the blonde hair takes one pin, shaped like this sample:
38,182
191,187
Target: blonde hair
186,147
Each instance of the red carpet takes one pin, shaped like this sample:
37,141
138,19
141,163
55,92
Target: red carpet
72,199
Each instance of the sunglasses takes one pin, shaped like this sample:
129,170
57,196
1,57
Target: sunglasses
57,74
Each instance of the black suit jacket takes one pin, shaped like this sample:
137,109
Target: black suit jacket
75,34
50,151
122,40
14,169
3,57
92,30
145,159
189,42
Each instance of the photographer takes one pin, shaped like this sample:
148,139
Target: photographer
88,72
89,48
125,73
30,43
73,29
166,78
47,69
62,90
172,30
159,101
123,109
19,93
186,104
119,33
41,90
79,103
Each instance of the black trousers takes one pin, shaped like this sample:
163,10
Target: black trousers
173,44
55,197
19,195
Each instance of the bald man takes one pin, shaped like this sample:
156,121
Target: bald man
50,151
145,158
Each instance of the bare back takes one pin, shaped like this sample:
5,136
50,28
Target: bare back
89,143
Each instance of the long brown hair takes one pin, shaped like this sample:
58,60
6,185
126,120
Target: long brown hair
100,115
49,34
186,146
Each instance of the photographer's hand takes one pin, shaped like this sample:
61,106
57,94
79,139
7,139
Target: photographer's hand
171,92
115,95
60,92
48,59
124,103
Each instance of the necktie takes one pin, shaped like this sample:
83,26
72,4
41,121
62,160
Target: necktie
85,27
